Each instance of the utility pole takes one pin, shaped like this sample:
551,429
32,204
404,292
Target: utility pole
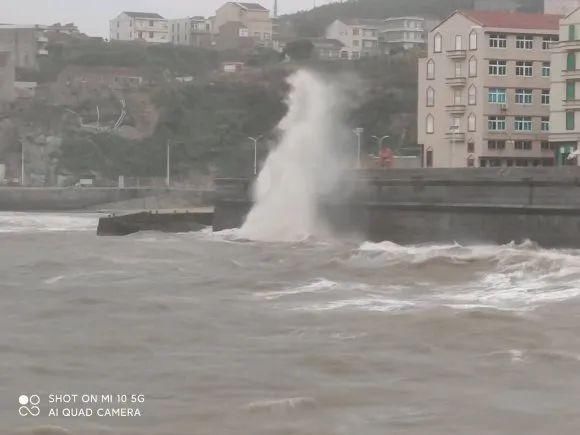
22,163
358,132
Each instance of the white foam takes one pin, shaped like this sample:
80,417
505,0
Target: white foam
46,222
363,304
318,286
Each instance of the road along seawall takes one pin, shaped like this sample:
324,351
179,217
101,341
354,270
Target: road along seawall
67,199
467,206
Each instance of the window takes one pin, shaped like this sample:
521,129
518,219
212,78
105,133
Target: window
523,123
548,41
497,67
355,32
430,70
570,120
497,95
524,96
472,95
430,127
546,69
151,23
570,90
525,42
571,61
545,96
497,40
355,55
430,97
471,123
457,97
496,144
140,35
523,145
458,69
429,158
438,43
545,123
151,35
472,67
496,123
572,32
344,54
459,42
470,147
545,145
266,36
355,43
524,69
470,162
473,40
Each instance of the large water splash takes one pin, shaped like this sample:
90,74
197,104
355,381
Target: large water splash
303,168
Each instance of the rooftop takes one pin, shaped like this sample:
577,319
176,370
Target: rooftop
514,20
251,6
143,15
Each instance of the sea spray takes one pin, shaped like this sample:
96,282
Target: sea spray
305,166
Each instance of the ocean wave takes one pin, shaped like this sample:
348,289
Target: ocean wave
320,285
47,222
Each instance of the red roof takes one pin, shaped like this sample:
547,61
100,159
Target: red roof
514,20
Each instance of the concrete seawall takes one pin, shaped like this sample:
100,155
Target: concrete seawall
441,205
59,199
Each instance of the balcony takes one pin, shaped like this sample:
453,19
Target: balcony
571,104
569,45
42,52
42,39
456,137
457,82
571,74
457,54
456,109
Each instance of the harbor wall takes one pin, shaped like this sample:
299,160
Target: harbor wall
441,205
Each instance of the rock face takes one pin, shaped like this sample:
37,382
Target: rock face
163,222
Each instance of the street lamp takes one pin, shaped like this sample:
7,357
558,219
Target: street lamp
358,132
255,140
380,143
168,161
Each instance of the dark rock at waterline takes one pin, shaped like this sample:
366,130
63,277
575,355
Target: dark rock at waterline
167,222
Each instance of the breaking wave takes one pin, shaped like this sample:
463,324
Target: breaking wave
47,222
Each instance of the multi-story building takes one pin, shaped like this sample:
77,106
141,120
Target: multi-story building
7,72
193,31
139,26
565,90
26,43
360,37
484,90
560,7
403,33
254,22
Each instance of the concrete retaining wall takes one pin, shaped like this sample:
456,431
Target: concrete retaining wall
442,205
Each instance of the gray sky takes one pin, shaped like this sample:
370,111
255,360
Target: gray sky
92,16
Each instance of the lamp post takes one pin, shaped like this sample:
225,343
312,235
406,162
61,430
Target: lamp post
380,143
255,140
358,132
168,161
22,163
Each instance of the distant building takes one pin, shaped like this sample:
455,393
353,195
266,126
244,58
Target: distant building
252,19
64,29
360,37
403,33
232,67
192,31
327,49
7,77
484,90
139,26
565,90
26,43
560,7
234,35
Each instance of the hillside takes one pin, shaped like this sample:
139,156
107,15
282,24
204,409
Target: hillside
313,22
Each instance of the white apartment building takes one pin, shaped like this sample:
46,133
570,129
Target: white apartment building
253,18
560,7
565,91
193,31
360,37
403,33
484,90
139,26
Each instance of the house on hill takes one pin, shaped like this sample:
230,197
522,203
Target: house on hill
139,26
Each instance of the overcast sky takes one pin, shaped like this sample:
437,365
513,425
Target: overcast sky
92,16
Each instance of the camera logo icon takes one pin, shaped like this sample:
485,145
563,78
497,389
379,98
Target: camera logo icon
29,405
